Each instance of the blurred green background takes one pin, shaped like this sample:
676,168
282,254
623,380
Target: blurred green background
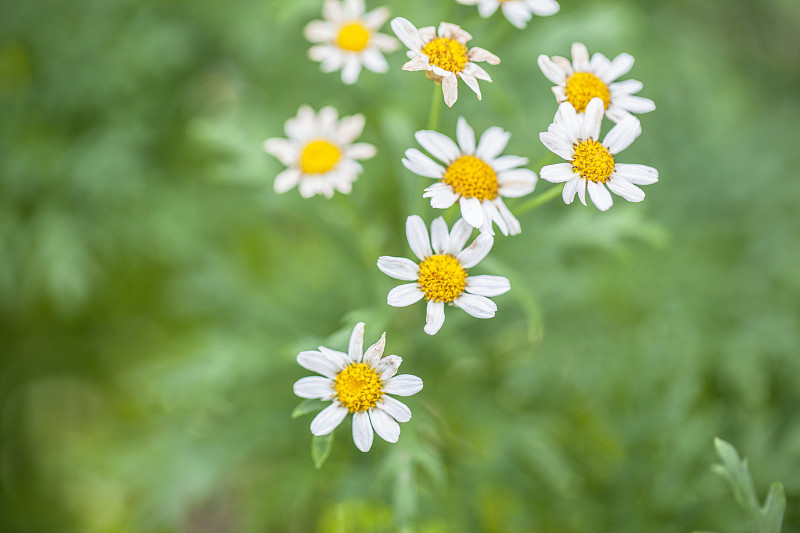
154,290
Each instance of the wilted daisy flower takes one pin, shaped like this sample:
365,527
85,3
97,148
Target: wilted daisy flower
518,12
441,275
349,38
583,79
591,163
476,178
445,55
357,382
319,152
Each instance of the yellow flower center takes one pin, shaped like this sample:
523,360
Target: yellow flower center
319,157
593,161
470,176
442,278
358,387
582,87
353,37
447,54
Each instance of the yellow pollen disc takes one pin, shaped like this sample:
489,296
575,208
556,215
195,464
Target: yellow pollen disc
358,387
353,37
593,161
582,87
442,278
319,157
447,54
470,176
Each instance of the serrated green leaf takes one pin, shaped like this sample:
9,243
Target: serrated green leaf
308,406
320,449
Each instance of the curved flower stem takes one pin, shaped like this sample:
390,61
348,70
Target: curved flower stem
539,199
436,106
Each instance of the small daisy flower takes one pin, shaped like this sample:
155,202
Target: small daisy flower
319,152
445,55
357,382
591,164
476,178
583,79
349,39
441,275
518,12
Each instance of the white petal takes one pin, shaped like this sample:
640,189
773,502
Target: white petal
339,359
434,317
439,145
581,188
487,7
439,235
314,387
362,431
319,31
398,267
622,135
626,87
517,182
477,306
286,180
507,162
355,349
472,83
395,408
635,104
373,354
580,57
636,174
441,195
592,118
622,187
403,385
543,8
283,149
476,71
376,18
493,141
570,188
513,224
459,234
557,145
620,65
384,43
387,367
472,211
517,13
491,214
422,165
332,10
567,118
361,151
373,60
450,90
417,234
617,113
328,419
317,362
418,62
466,136
385,426
488,285
475,252
404,295
353,8
599,195
350,128
477,55
558,173
407,33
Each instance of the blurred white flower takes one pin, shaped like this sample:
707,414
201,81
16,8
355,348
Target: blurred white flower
444,55
476,177
348,39
583,79
441,275
319,152
518,12
357,382
591,163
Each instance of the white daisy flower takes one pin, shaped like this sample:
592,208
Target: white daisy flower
476,177
319,152
583,79
591,164
357,382
445,55
441,275
349,38
518,12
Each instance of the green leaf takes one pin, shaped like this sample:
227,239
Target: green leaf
308,406
774,508
321,448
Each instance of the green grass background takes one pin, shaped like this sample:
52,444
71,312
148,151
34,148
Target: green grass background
154,290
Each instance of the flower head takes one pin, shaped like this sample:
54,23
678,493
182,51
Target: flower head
348,39
319,152
583,79
357,382
441,276
476,177
518,12
445,55
592,166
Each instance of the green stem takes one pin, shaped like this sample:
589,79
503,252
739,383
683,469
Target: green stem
539,199
436,106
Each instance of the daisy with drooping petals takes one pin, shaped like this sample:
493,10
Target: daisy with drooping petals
445,55
583,79
591,164
319,152
476,177
357,382
349,38
518,12
441,275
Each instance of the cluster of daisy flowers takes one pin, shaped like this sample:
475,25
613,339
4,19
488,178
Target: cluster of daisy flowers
321,155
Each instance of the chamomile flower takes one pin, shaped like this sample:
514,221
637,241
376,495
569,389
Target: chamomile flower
348,39
441,276
518,12
476,177
591,164
320,152
444,55
357,382
583,79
